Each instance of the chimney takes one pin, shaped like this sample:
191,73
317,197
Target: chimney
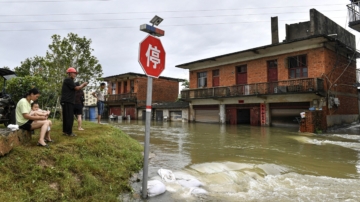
274,30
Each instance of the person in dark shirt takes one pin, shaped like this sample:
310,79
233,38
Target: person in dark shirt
68,100
79,104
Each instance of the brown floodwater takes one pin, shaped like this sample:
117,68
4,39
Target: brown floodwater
246,163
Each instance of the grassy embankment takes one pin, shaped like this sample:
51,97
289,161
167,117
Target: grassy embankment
94,166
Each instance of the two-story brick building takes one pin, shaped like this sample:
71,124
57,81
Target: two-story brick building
313,68
127,96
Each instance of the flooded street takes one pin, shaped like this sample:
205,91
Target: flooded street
245,163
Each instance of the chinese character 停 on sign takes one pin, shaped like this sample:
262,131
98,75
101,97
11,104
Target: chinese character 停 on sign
152,55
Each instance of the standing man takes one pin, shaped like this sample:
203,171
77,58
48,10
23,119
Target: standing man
99,95
68,100
79,105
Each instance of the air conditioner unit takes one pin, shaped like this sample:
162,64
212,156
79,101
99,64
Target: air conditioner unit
246,90
280,89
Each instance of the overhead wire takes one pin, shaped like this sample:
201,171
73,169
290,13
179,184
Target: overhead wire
48,1
169,11
175,17
126,27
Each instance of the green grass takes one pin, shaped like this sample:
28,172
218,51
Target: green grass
94,166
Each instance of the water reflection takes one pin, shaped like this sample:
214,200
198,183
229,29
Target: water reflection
245,163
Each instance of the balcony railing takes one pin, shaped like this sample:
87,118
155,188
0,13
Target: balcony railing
307,85
353,12
125,97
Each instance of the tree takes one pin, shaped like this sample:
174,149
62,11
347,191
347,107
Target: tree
2,80
70,51
31,67
17,87
185,83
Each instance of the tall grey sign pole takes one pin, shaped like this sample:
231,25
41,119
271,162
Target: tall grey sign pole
152,60
147,135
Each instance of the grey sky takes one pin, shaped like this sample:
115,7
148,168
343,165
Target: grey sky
194,29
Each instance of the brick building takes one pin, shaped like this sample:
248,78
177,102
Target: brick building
313,68
127,96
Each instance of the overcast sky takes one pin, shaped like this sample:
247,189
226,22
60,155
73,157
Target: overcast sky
194,29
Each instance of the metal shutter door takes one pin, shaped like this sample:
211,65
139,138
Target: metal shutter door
208,116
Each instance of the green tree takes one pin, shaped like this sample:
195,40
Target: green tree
31,67
71,51
2,80
185,83
17,87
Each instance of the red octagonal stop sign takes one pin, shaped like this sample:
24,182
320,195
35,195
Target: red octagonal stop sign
152,56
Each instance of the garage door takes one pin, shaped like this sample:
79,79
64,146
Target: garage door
130,110
207,116
285,114
115,111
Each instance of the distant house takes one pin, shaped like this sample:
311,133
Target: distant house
314,68
127,96
89,99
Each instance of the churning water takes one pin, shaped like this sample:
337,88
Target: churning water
246,163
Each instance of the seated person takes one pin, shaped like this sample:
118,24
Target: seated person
36,111
27,122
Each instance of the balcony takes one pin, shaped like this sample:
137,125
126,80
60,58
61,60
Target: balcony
354,16
294,86
125,97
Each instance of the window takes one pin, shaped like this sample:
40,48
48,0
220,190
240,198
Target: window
297,66
113,86
202,79
241,69
131,86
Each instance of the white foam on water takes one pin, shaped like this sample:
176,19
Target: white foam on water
350,145
229,181
215,167
358,164
346,136
306,140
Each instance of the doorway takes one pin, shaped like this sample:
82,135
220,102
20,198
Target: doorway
243,116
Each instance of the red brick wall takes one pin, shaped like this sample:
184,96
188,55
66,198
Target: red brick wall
333,72
163,90
257,69
321,62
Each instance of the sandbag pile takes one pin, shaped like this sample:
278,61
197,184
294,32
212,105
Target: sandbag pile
156,187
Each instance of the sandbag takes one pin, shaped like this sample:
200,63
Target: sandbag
155,187
197,190
190,183
166,175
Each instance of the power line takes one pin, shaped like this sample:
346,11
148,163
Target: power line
173,11
127,27
47,1
177,17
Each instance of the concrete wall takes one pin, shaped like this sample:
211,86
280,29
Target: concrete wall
319,24
297,30
166,112
334,120
185,115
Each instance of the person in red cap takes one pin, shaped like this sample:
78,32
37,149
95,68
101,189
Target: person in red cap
68,100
